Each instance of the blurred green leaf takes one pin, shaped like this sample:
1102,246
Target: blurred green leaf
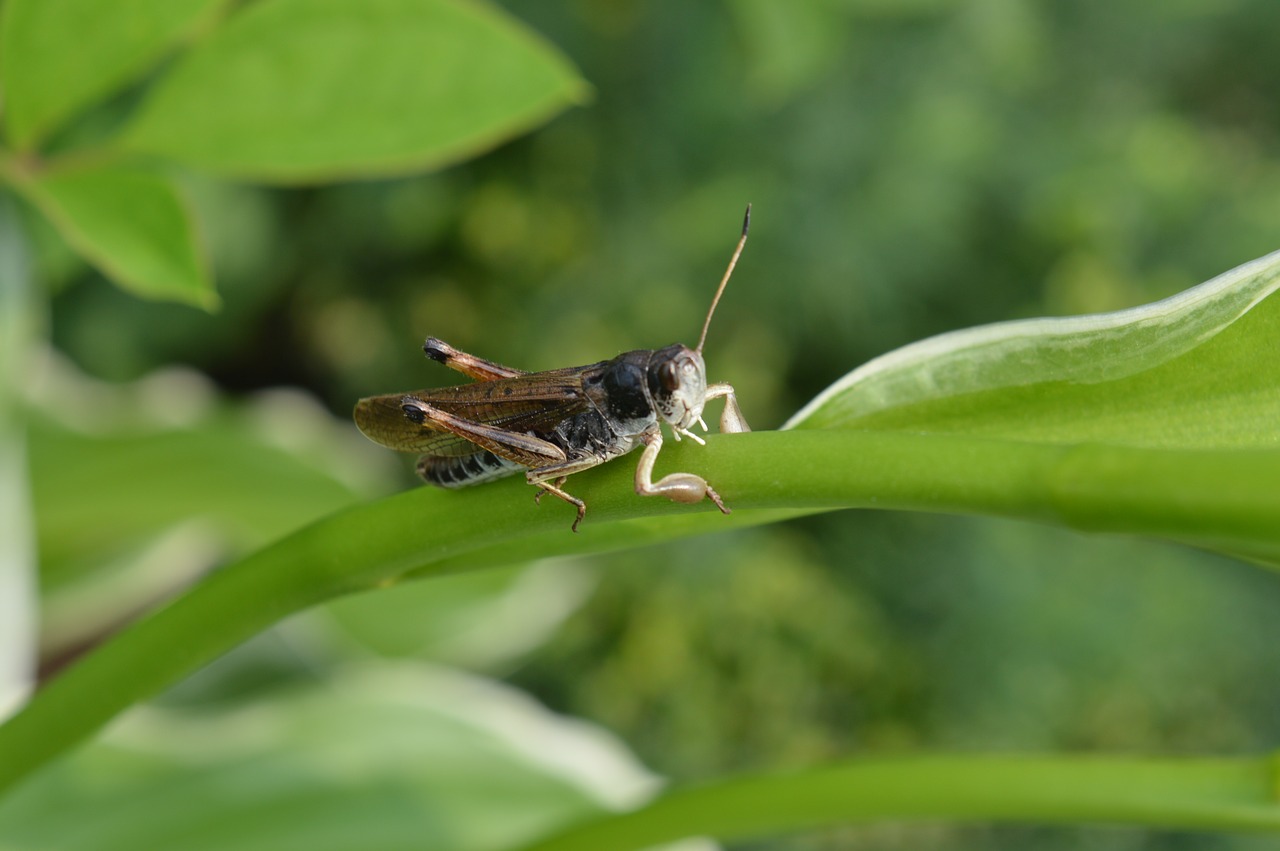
478,620
219,470
791,45
299,91
130,223
58,56
1190,793
140,488
386,757
18,597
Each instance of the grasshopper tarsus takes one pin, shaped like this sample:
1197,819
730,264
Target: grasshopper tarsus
556,489
719,503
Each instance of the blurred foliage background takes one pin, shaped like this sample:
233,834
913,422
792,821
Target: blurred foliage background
915,166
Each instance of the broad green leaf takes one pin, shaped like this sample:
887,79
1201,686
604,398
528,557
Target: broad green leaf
1162,399
59,56
1195,371
312,90
132,224
387,757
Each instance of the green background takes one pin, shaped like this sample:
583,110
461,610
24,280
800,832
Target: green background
915,167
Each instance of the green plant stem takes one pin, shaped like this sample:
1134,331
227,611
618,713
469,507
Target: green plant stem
1187,793
1226,499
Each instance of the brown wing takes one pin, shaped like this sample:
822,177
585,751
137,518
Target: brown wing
537,401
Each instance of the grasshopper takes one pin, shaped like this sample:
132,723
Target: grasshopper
556,423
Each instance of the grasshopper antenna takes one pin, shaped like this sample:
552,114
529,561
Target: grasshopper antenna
733,261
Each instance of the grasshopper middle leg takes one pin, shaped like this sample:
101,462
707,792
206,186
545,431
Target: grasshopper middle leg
551,480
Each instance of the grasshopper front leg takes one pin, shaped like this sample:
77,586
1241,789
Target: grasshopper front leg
677,487
731,419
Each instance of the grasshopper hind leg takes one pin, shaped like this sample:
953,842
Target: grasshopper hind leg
470,365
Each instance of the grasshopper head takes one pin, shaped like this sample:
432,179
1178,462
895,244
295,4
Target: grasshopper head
677,385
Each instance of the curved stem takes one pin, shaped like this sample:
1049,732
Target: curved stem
1225,499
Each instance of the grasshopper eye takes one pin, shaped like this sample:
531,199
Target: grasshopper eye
669,376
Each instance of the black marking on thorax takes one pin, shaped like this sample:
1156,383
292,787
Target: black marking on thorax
587,432
625,398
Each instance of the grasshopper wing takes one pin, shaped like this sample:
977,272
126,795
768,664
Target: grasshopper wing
535,402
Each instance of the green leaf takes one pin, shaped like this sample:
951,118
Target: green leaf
1145,404
295,91
220,468
452,620
1198,794
1195,371
59,56
132,224
385,757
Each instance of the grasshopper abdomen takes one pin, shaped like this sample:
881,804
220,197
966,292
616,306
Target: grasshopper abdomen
460,471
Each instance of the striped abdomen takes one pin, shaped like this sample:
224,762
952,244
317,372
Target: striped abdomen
459,471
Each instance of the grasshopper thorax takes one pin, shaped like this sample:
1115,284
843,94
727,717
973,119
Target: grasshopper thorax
677,383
